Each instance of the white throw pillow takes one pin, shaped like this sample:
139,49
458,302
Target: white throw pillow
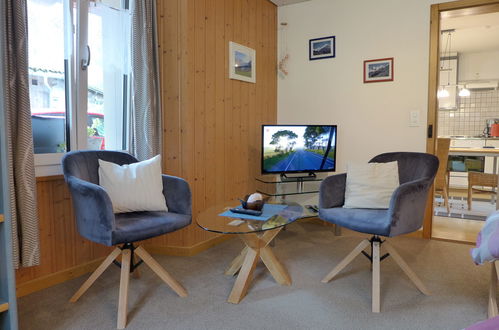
134,187
371,185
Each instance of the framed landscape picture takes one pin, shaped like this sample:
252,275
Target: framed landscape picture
378,70
321,48
242,62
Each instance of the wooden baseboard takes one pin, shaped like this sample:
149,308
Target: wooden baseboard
187,251
47,281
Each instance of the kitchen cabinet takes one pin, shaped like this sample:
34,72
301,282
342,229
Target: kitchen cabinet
479,66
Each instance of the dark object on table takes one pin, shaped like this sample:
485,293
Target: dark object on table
96,221
246,211
405,214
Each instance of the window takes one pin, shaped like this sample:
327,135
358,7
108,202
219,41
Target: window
78,74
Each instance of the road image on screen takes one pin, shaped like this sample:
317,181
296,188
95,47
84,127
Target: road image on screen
298,148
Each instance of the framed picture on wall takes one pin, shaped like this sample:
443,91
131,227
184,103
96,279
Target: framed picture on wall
378,70
242,62
321,48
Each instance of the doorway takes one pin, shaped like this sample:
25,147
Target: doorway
462,110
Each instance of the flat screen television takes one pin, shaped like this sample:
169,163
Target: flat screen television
298,149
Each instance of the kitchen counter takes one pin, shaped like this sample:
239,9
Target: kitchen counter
468,137
471,151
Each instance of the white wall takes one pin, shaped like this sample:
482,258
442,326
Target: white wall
372,118
479,65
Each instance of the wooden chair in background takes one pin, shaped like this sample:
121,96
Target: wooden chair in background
442,177
482,180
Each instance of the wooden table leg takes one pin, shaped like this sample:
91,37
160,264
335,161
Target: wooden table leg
277,270
257,247
236,264
244,278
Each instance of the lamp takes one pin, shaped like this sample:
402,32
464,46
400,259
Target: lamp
442,91
464,92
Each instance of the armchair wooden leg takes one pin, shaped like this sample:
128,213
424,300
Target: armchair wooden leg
124,280
161,272
96,274
407,270
348,259
492,309
376,278
136,271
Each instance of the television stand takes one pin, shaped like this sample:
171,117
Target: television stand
310,177
277,180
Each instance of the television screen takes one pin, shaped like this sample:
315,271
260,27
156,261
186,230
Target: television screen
298,148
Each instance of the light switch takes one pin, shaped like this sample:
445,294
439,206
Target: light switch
414,119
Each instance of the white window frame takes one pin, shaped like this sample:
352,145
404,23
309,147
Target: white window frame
77,96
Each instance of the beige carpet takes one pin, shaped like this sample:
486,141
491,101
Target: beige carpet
309,251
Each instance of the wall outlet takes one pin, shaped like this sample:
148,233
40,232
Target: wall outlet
414,119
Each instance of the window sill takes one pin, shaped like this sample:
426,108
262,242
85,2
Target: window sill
48,170
48,164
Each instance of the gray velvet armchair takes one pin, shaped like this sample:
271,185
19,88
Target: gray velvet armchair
404,215
97,222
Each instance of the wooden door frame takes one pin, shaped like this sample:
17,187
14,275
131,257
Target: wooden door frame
458,8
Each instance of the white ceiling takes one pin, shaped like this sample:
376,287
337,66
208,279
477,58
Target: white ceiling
286,2
474,33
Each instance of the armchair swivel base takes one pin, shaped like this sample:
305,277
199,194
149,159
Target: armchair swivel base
129,265
375,257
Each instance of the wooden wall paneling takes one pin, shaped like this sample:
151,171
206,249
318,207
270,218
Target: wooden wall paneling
246,178
188,96
169,49
199,110
221,73
211,127
210,110
259,60
229,100
251,116
236,108
62,239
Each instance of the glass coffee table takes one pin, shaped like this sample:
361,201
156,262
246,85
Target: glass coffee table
256,235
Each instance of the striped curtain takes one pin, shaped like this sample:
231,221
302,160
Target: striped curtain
21,168
145,107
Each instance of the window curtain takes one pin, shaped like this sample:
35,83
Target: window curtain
145,107
21,168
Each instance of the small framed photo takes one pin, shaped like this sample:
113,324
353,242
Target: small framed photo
320,48
378,70
242,62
